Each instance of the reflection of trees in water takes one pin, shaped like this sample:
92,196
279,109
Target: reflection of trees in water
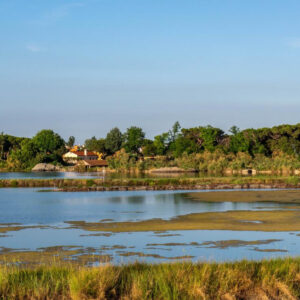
165,197
115,199
136,199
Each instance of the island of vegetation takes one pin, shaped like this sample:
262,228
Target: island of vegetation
271,153
201,149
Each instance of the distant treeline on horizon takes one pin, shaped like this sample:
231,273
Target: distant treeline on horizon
48,146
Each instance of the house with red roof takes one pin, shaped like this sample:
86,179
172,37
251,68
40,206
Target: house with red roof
75,156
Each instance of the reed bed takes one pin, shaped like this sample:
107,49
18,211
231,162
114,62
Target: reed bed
160,183
267,279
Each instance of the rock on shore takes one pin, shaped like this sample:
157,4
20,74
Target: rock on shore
42,167
171,170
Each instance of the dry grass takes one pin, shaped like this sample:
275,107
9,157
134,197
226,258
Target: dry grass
272,279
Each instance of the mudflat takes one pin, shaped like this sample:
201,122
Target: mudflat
279,196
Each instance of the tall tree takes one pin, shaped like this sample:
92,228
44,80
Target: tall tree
113,141
133,139
48,141
161,143
71,141
174,132
94,144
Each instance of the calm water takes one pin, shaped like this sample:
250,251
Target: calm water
31,207
48,175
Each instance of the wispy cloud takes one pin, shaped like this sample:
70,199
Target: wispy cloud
293,42
63,10
58,13
34,48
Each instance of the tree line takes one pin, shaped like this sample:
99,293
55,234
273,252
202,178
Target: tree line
177,141
48,146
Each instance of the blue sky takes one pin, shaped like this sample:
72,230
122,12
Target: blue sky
83,67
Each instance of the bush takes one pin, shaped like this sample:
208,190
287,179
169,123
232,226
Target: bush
90,182
14,183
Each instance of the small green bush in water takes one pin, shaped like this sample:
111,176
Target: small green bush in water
90,182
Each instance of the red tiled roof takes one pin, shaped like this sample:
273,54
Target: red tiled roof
81,153
96,163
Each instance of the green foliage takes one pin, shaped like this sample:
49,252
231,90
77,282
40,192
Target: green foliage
9,143
174,132
14,183
28,155
47,141
46,146
161,143
275,149
211,137
238,141
71,141
113,141
94,144
293,180
90,182
204,138
149,148
182,145
122,161
133,139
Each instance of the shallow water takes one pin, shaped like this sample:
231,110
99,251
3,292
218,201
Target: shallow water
49,175
28,206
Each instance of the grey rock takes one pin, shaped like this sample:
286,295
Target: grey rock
42,167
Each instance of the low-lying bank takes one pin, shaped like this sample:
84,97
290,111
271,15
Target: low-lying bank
281,196
250,182
242,220
268,279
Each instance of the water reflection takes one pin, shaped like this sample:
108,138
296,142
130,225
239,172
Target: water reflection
29,207
49,175
198,245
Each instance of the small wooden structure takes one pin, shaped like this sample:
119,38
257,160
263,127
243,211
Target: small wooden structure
94,163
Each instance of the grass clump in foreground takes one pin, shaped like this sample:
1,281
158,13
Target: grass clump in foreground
268,279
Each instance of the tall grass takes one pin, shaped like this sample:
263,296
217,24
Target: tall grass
216,162
269,279
157,183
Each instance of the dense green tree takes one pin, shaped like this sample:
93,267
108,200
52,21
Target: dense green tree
161,143
9,143
212,137
149,148
174,132
113,141
204,138
133,139
238,141
94,144
71,141
48,141
27,156
183,145
4,145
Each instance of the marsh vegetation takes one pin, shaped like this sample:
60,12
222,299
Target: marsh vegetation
277,279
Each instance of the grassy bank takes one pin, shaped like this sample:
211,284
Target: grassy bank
272,279
160,183
284,220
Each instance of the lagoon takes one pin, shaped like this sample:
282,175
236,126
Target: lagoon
32,220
